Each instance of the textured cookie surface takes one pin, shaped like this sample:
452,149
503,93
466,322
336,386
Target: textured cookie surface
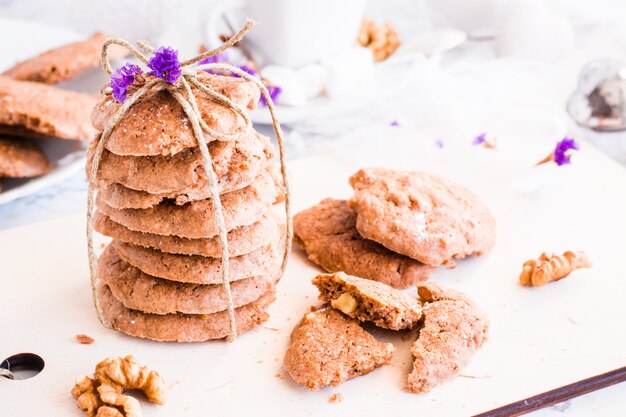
181,327
454,328
157,125
22,159
140,291
368,300
328,348
327,232
181,176
197,219
420,215
35,109
241,240
201,269
65,62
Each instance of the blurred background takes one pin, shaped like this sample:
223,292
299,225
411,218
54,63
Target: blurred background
448,70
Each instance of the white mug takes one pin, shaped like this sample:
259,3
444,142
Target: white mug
292,33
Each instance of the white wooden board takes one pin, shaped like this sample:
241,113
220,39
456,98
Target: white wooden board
540,338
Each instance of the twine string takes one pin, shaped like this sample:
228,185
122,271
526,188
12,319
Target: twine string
189,105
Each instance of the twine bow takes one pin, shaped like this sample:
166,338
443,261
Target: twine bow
189,104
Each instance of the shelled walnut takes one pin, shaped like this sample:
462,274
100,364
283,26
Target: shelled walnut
382,40
551,267
103,395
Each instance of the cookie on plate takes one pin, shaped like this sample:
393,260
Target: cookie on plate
22,159
157,125
181,327
196,220
140,291
454,328
35,110
421,215
369,301
65,62
328,348
327,232
236,164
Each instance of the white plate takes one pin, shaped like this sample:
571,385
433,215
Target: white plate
65,156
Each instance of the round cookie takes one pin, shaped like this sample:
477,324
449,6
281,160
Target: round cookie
157,125
181,176
206,270
196,220
201,269
420,215
241,240
140,291
181,327
65,62
22,159
327,232
35,110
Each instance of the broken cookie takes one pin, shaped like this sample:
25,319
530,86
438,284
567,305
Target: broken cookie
328,348
454,328
368,300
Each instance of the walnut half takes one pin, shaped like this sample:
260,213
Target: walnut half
103,395
551,267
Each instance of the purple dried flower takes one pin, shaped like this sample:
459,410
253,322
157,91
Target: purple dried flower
215,59
439,143
122,78
394,123
480,139
165,65
247,69
274,91
560,155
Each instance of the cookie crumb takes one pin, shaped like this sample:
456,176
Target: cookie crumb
335,398
83,339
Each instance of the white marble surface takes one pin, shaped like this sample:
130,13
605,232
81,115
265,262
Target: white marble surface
471,91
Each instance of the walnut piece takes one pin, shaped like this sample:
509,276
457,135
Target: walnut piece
103,395
83,339
346,303
382,40
552,267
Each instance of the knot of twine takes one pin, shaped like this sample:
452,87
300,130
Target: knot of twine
190,106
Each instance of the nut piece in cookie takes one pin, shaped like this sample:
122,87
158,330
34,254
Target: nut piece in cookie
552,267
327,232
328,348
421,215
454,328
368,300
22,159
65,62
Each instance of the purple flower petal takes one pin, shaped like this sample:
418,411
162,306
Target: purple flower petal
274,91
247,69
165,65
215,59
122,78
560,155
394,123
439,143
480,139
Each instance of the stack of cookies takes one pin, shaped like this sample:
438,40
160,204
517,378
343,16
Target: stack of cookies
160,277
397,228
